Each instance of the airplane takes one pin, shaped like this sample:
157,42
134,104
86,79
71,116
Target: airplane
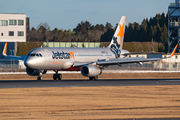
90,61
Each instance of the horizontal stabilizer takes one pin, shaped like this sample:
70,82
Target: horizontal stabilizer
5,50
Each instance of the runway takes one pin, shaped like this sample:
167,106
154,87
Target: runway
86,83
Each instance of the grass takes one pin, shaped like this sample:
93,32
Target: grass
121,102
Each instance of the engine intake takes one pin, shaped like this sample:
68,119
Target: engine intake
33,72
90,71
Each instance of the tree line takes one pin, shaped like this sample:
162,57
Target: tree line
155,28
150,29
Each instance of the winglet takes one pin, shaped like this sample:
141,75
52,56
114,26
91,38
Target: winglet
5,50
174,50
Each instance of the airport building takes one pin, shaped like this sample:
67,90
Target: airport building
13,28
174,25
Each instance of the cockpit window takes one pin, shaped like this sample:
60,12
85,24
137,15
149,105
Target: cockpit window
33,54
36,54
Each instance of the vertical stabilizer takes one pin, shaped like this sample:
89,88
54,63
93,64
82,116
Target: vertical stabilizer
118,37
5,49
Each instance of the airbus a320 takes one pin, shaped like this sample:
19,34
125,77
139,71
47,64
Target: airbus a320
90,61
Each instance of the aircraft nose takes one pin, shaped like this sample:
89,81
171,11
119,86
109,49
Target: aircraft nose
29,63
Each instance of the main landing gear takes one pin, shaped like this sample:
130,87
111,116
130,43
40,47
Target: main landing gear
93,78
57,76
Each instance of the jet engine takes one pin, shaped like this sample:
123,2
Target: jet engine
34,72
90,71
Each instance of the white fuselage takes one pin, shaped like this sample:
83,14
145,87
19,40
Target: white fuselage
64,58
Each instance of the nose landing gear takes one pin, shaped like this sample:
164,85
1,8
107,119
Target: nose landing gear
41,72
40,76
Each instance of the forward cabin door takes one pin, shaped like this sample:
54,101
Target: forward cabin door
48,56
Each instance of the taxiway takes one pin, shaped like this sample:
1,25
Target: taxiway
86,83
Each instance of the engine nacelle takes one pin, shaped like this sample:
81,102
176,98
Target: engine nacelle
90,71
34,72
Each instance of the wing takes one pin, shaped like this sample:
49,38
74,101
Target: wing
118,61
80,64
12,56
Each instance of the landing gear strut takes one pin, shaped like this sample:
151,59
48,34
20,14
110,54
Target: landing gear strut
93,78
57,76
40,75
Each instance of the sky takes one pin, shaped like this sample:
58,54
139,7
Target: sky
66,14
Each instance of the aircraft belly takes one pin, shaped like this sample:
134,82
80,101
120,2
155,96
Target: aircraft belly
50,66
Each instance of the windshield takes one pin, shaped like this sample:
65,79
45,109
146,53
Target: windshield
36,54
33,54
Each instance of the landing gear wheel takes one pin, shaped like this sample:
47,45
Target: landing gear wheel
96,78
90,78
59,76
93,78
55,76
39,78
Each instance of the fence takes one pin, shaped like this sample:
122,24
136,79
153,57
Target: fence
72,44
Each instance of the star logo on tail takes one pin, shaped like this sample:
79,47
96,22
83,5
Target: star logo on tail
121,32
72,55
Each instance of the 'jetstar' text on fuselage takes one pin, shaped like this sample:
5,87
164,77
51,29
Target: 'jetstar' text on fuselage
60,55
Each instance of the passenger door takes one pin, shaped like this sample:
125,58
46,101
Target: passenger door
48,55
